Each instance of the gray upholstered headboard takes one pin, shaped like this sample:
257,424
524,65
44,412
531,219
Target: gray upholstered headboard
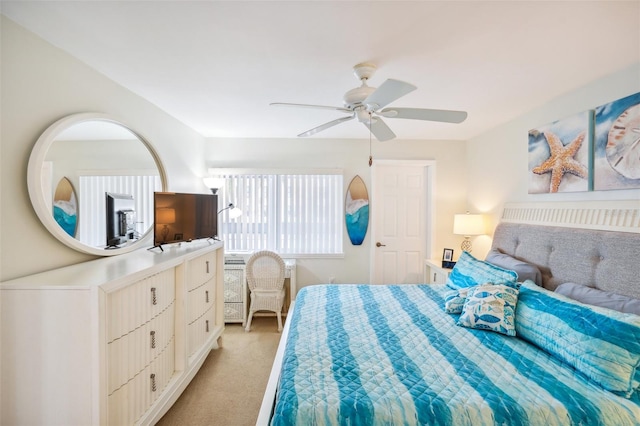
608,260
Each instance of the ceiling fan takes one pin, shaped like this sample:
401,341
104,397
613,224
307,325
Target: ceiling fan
367,104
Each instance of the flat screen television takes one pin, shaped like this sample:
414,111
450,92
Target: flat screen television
120,218
182,217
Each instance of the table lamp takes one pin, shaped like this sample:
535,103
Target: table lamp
468,225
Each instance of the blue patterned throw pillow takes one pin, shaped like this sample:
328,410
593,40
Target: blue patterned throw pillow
490,307
454,300
600,343
470,272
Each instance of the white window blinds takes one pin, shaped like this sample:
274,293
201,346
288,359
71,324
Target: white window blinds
292,214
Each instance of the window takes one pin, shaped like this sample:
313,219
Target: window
293,214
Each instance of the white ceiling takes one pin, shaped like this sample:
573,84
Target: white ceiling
216,65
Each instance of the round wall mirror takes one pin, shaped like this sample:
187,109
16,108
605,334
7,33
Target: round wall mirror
91,181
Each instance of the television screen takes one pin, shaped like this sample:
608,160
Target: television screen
184,217
120,218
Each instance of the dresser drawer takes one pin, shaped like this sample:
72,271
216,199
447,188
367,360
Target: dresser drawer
137,304
200,300
133,352
201,270
131,401
200,330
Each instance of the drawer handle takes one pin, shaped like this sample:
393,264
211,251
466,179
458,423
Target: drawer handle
207,262
206,293
153,339
153,382
154,298
434,277
207,322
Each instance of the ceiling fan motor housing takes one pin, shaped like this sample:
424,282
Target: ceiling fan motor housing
354,97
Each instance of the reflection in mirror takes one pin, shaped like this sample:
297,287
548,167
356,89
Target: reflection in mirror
96,179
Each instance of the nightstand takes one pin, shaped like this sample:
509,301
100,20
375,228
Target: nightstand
235,293
434,273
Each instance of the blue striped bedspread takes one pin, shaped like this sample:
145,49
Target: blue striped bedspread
390,355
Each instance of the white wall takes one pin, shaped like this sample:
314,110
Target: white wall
353,157
41,84
497,160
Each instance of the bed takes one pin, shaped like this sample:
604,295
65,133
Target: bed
395,354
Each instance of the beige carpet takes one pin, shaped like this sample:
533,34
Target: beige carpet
228,389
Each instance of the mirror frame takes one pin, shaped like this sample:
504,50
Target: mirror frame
34,182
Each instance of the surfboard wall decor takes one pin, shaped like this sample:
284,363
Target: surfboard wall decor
357,210
65,207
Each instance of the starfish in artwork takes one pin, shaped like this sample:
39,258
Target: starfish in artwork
561,160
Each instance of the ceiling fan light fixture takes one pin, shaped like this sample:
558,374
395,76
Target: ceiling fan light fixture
364,116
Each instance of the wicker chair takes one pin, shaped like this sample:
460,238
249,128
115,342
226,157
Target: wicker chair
265,275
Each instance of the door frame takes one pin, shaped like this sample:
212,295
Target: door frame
429,199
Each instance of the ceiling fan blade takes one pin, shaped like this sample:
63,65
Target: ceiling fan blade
380,130
447,116
341,109
388,92
325,126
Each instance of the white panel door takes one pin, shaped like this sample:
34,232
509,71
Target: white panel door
400,220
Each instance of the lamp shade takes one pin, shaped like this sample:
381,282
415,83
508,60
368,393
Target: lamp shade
468,224
165,216
235,213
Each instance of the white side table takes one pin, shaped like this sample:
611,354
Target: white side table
434,273
235,293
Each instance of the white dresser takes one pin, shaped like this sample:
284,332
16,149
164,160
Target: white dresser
111,341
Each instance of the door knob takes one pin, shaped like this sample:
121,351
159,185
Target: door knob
379,244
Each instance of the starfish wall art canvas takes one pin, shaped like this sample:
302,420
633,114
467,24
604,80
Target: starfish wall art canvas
617,144
559,155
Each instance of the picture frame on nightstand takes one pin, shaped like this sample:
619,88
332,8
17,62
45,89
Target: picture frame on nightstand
447,259
447,255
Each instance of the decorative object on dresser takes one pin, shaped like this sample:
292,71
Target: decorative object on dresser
265,276
67,148
113,341
468,225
